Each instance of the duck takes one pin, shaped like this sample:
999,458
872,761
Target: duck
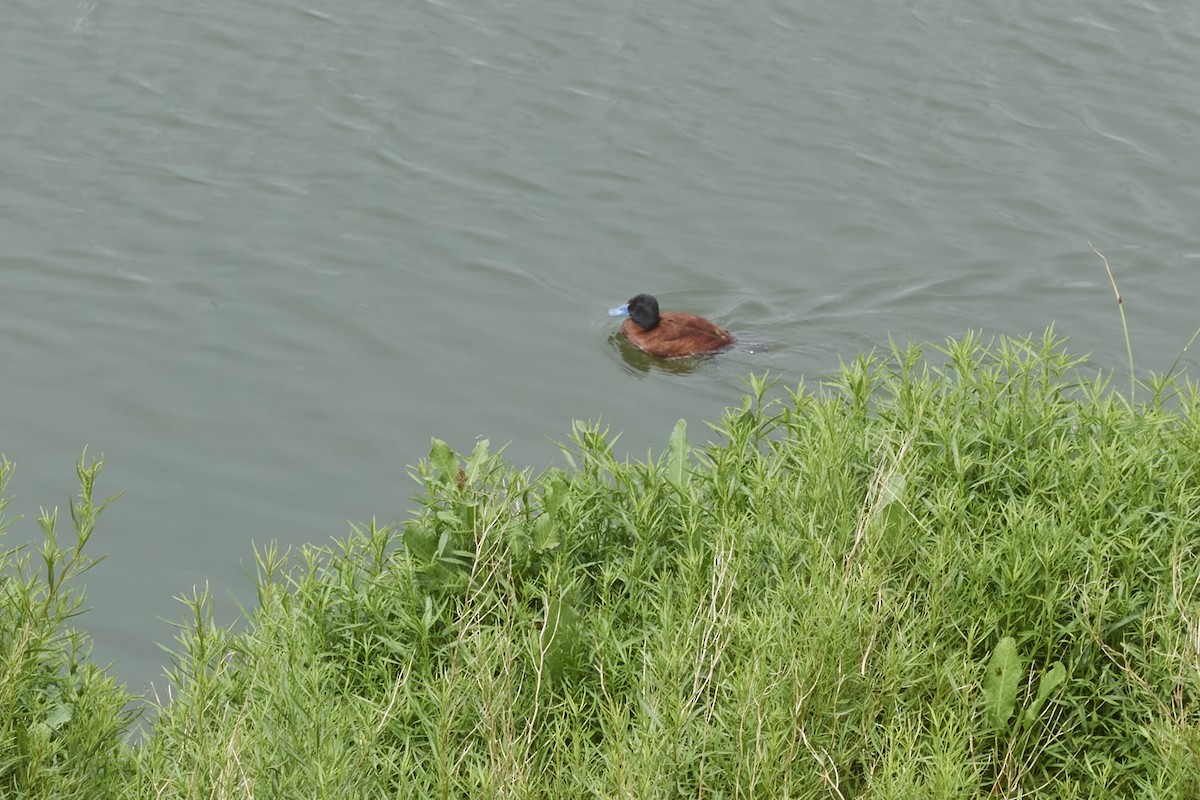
669,334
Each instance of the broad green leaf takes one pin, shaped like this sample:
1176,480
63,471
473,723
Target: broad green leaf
678,452
1000,682
420,541
545,533
1051,680
443,458
59,715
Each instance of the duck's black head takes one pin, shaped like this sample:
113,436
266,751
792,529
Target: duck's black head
643,310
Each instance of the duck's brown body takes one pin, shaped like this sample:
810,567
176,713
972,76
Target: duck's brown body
671,334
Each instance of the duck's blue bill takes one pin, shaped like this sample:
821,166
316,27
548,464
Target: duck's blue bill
621,311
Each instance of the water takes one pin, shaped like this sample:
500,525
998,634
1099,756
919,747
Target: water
257,254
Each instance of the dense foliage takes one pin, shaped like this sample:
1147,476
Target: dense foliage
973,575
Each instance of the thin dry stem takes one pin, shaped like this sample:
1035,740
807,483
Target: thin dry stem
1124,324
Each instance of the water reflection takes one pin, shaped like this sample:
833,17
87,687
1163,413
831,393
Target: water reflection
639,363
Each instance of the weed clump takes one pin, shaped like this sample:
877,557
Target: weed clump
62,719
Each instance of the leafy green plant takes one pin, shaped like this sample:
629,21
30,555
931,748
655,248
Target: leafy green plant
62,719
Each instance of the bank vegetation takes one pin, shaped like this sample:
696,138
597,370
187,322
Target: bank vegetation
966,571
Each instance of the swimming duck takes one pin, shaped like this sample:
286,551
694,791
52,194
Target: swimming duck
671,334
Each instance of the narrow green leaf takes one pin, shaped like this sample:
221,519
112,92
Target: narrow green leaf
478,460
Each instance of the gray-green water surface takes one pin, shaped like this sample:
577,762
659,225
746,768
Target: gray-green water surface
257,254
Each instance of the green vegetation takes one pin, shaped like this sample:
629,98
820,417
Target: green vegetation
975,577
61,719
